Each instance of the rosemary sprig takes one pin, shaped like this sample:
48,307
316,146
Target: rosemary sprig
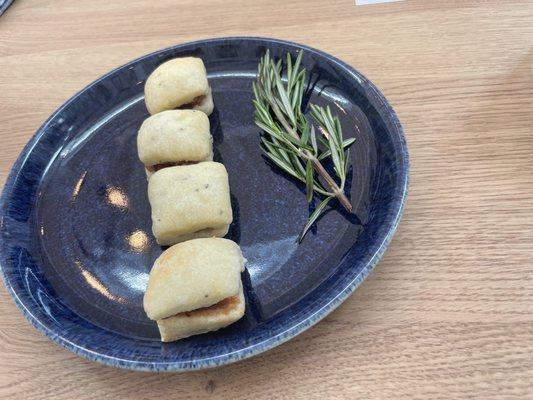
289,140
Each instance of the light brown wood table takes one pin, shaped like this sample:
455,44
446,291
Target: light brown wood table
448,313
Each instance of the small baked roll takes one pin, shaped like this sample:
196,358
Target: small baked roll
174,137
195,287
190,201
202,320
178,83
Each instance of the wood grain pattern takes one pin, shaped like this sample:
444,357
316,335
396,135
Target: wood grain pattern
448,313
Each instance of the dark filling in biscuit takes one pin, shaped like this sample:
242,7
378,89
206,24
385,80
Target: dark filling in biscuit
157,167
224,306
195,102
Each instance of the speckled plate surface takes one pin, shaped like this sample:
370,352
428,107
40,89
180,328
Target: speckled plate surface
76,246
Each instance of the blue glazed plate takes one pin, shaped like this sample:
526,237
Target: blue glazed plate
4,5
77,247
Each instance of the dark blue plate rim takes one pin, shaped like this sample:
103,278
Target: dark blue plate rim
4,5
397,207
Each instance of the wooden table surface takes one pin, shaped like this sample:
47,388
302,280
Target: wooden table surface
448,313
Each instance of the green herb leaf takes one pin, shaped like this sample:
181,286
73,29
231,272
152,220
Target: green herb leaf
313,139
347,143
314,216
309,172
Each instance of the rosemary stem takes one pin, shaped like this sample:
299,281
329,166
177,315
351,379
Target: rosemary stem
339,194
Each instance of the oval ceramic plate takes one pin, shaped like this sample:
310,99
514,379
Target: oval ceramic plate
77,246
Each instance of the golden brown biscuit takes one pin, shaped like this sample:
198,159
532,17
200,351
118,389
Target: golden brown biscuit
192,275
174,137
180,82
190,201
